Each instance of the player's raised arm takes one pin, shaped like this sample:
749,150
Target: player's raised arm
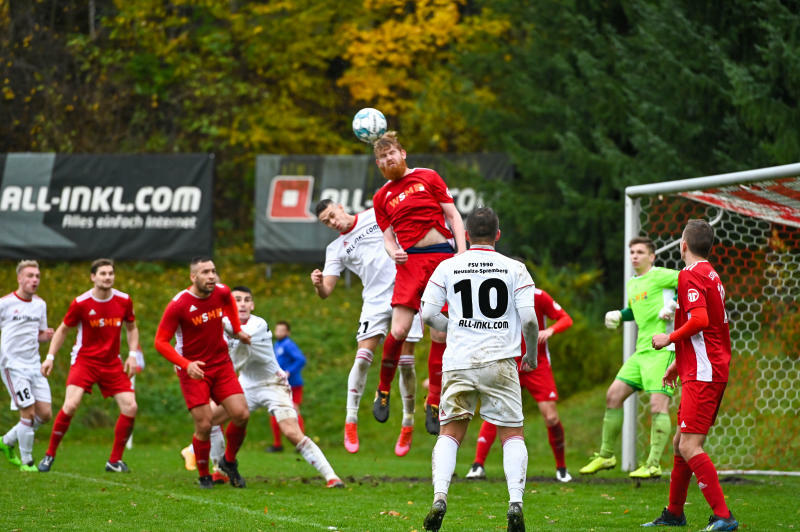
323,284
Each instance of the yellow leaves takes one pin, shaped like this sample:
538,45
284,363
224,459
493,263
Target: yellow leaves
8,94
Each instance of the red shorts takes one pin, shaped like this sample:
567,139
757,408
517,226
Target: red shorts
110,378
539,382
699,405
218,383
412,278
297,395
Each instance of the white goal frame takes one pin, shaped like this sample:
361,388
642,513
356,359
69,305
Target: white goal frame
633,195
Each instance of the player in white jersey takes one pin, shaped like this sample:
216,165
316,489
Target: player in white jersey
266,385
360,248
23,323
490,302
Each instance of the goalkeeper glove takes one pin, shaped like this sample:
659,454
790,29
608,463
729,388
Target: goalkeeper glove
613,317
668,311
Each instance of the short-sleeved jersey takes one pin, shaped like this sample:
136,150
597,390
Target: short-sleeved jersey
483,290
361,250
646,296
20,323
411,206
99,324
197,325
706,356
255,363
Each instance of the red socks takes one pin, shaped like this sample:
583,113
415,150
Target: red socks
276,431
60,426
485,440
234,436
556,436
678,485
122,432
391,355
708,482
201,451
435,373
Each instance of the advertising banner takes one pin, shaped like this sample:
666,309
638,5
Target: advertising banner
288,187
80,207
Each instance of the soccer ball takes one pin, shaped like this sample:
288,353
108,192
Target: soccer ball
369,124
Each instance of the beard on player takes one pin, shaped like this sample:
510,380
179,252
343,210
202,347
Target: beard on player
394,171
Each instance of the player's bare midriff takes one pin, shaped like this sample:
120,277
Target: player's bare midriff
431,237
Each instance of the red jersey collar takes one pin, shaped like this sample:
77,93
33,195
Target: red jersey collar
22,298
483,247
355,222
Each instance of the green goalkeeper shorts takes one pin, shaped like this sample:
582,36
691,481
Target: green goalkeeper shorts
644,371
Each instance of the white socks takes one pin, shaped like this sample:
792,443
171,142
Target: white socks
10,437
408,387
356,383
217,444
313,455
25,437
515,465
443,463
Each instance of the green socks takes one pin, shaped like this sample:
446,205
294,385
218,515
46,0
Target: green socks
612,426
659,435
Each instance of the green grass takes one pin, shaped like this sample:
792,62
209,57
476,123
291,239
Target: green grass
383,493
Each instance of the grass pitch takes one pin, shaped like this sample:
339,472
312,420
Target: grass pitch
383,493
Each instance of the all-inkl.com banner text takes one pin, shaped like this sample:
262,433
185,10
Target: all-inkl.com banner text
80,207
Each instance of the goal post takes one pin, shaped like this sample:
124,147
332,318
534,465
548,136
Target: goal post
756,218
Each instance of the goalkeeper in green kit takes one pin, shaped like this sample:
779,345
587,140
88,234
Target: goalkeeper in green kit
651,304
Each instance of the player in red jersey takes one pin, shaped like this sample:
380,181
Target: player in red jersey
99,315
540,384
702,358
194,319
413,210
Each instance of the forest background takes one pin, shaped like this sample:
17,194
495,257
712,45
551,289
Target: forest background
586,97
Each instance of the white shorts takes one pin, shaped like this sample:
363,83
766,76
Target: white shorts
274,395
497,387
26,386
372,323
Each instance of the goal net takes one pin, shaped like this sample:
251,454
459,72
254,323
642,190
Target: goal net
756,219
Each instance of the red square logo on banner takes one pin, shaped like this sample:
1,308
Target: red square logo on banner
290,199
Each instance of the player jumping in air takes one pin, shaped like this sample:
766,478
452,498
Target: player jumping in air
702,341
360,248
99,315
542,387
491,308
23,323
194,319
413,210
650,303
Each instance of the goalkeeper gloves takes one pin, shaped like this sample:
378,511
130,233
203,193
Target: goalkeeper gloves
613,317
668,311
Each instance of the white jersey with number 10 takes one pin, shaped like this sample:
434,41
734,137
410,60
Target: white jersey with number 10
483,290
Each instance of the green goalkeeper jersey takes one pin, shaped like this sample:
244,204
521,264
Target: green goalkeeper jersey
647,294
